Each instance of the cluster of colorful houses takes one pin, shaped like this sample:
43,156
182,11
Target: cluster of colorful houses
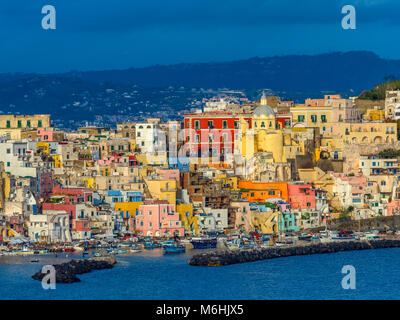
267,166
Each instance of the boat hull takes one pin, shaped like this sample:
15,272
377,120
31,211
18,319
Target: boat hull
204,244
174,249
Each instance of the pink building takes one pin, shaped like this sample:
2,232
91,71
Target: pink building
169,174
45,135
111,159
158,218
74,195
392,208
242,216
301,196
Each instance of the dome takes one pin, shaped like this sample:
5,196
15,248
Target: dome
263,110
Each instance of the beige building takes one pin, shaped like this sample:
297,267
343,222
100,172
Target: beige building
14,126
392,104
366,133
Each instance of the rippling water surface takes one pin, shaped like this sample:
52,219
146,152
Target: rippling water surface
152,275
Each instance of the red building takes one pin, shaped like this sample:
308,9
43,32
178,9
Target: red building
72,201
45,184
212,131
284,120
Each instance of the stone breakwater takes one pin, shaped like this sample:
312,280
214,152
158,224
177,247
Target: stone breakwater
226,257
66,272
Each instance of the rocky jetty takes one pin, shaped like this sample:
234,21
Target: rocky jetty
66,272
226,257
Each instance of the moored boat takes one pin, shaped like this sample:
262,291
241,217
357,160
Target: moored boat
174,249
204,243
305,237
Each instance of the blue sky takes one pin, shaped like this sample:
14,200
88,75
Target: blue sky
117,34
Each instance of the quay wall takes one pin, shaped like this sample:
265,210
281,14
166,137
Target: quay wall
384,223
226,257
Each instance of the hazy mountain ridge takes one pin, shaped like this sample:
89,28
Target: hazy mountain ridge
151,90
355,70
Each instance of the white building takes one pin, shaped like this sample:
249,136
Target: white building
16,158
51,226
146,136
213,220
392,104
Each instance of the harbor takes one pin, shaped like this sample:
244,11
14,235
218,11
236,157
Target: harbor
153,275
226,257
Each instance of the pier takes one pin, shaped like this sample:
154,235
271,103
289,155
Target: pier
227,257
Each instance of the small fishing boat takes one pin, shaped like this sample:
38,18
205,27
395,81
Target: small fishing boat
283,243
97,254
305,237
204,243
343,238
151,245
174,249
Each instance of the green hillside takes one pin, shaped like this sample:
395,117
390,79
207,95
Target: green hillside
378,93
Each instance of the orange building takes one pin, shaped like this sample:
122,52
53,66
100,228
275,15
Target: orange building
261,191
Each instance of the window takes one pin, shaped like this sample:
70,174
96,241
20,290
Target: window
313,118
8,150
300,118
236,124
323,118
39,123
8,124
197,124
224,124
19,123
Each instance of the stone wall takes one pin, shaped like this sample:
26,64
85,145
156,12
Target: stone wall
226,257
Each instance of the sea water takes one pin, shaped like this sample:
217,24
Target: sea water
152,275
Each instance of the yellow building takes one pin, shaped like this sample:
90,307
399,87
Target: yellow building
153,159
43,147
89,183
189,220
265,222
231,181
24,121
162,189
57,161
104,171
128,208
374,114
93,130
313,116
264,135
5,188
366,133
